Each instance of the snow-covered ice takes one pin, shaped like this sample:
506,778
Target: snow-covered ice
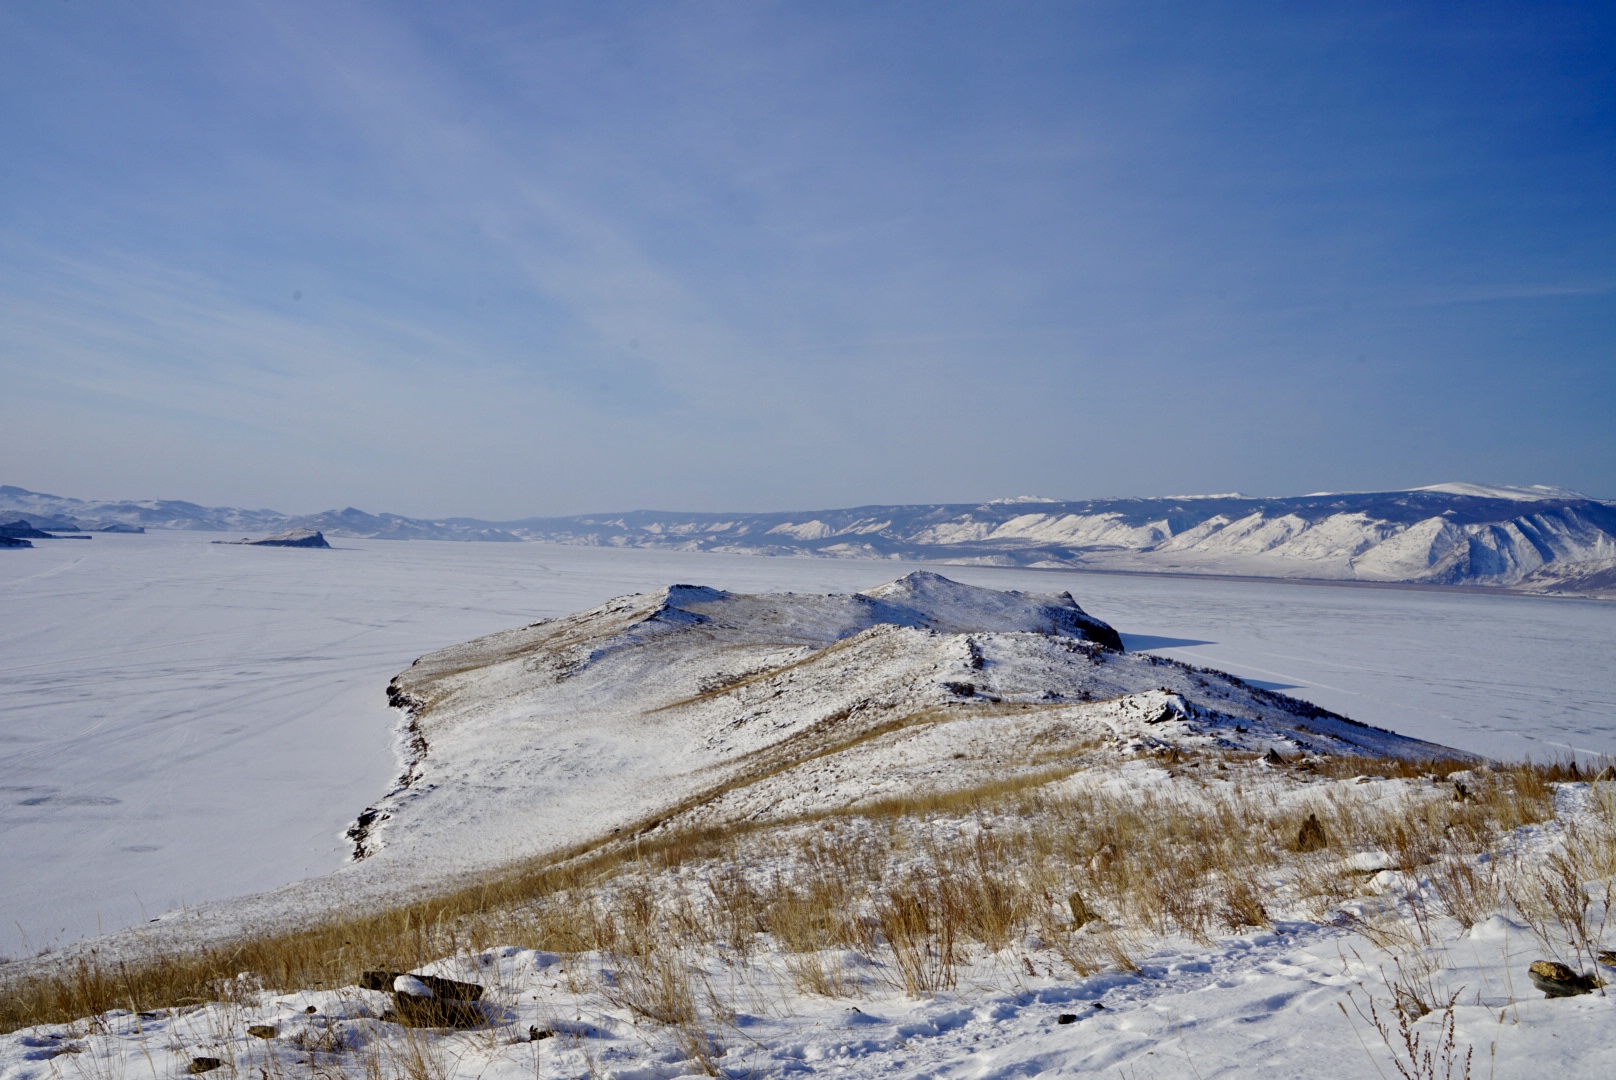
186,722
256,664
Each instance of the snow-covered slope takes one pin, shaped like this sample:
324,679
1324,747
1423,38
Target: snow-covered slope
624,716
1448,534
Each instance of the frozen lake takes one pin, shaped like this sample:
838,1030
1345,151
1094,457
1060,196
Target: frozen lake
182,722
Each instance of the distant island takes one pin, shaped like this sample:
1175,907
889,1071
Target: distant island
18,532
298,538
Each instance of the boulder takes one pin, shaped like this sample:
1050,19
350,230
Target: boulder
1557,980
427,1000
262,1031
443,988
203,1064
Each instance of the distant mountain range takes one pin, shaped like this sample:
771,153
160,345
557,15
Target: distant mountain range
56,512
1536,539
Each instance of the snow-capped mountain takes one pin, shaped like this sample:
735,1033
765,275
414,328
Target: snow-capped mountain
1447,534
1538,539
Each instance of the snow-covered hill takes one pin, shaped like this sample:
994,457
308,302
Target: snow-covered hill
1449,534
695,701
1537,539
64,512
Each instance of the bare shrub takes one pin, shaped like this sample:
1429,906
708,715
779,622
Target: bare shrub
1468,890
919,928
1416,1056
822,974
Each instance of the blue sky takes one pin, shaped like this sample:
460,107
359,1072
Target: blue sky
503,259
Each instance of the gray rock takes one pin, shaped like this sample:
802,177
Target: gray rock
443,988
1557,980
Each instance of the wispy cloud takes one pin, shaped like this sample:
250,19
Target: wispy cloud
687,255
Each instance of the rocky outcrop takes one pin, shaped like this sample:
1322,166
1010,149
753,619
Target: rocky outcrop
1557,980
427,1000
301,538
298,538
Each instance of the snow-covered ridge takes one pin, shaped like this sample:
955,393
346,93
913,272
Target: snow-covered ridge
1455,535
1535,539
692,700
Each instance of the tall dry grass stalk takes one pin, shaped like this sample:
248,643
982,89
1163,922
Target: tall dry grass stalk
915,887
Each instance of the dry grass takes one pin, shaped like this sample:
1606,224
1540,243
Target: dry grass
919,886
